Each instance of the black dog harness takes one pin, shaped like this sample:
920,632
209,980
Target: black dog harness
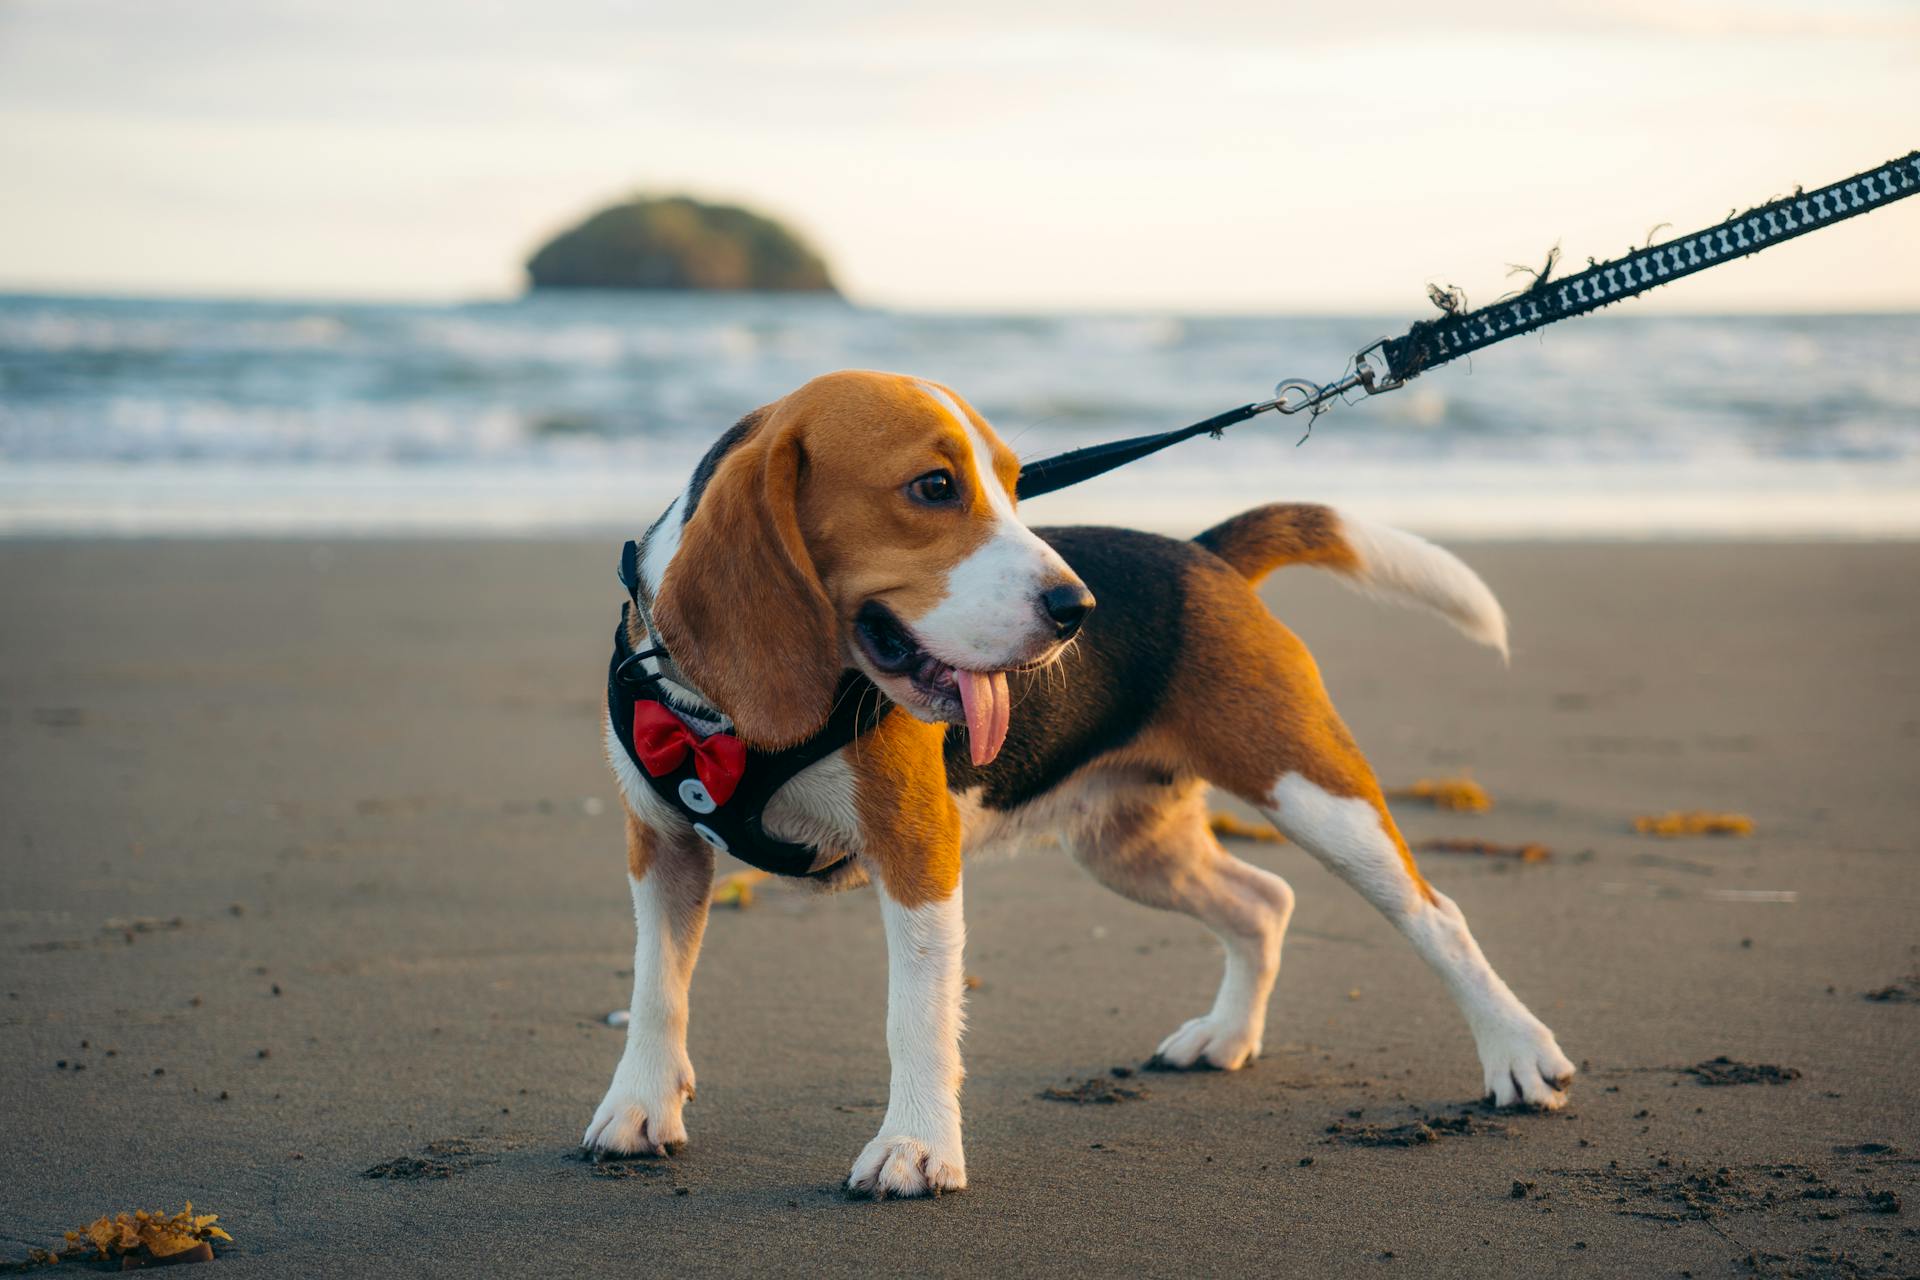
733,824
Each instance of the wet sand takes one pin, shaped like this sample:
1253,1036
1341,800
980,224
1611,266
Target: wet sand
311,864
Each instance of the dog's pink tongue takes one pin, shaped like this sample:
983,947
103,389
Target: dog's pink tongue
983,696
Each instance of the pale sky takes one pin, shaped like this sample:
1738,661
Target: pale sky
1207,155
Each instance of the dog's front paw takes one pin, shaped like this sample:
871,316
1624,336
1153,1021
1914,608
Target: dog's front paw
626,1126
1208,1042
636,1121
897,1165
1523,1066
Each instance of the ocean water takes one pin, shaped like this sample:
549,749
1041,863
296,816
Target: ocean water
585,413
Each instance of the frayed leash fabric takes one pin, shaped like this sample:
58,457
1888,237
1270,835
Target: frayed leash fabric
1448,337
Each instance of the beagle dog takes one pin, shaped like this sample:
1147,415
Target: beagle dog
866,522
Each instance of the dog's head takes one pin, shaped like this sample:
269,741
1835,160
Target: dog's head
866,520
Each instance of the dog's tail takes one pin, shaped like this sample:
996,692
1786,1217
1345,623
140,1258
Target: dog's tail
1372,558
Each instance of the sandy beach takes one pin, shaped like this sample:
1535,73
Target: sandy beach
312,866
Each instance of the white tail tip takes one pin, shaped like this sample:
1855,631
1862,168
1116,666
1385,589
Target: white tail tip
1401,566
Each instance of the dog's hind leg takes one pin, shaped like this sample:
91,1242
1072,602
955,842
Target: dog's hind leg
1342,820
1152,844
1271,737
672,883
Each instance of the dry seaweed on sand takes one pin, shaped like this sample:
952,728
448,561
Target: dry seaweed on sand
1670,1189
736,890
1229,827
1693,822
1094,1091
1460,795
1905,991
1724,1070
139,1239
1416,1133
1529,852
411,1169
620,1170
441,1158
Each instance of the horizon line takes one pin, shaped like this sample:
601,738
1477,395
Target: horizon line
14,292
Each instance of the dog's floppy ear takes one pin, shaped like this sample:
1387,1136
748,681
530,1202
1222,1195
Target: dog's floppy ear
741,607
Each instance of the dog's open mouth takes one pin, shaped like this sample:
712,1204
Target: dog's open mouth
980,697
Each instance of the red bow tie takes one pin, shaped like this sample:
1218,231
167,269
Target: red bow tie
662,741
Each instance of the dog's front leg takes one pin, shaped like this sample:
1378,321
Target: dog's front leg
918,1150
672,883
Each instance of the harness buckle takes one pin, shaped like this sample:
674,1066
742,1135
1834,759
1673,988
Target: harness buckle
625,676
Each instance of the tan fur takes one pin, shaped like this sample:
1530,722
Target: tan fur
685,870
799,526
641,841
773,670
867,437
1266,538
1154,846
911,824
1247,707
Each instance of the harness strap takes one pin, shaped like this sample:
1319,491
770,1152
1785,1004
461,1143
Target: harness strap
737,826
636,585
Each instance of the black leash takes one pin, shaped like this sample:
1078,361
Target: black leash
1391,363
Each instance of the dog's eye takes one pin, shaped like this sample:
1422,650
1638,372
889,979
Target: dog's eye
934,488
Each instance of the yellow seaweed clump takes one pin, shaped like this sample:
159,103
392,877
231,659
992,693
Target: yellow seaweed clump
1462,795
736,890
1229,827
1528,852
1694,822
140,1238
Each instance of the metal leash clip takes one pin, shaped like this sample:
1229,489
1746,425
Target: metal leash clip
1293,395
1376,380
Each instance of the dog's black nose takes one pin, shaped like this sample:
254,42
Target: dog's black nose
1068,606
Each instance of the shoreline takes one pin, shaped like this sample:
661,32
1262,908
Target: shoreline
1516,503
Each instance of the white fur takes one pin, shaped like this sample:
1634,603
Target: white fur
1520,1060
1399,566
636,790
1075,811
997,498
990,617
662,545
918,1149
641,1111
817,807
1062,810
1231,1034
